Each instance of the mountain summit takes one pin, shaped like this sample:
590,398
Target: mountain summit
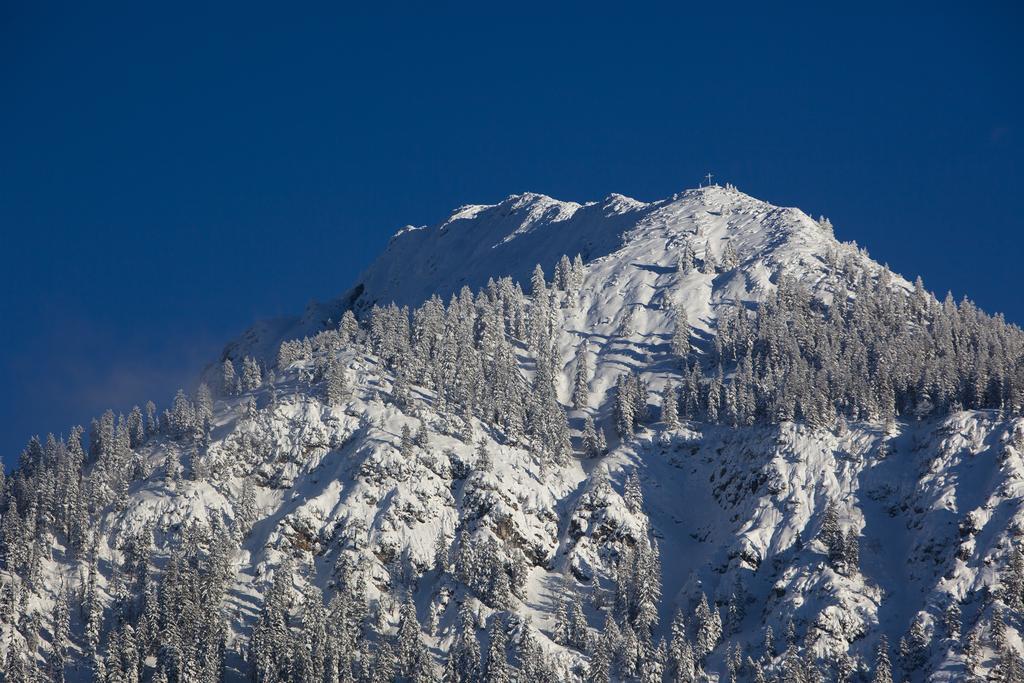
479,242
693,439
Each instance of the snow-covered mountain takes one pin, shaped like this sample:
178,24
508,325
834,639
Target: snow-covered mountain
718,443
628,238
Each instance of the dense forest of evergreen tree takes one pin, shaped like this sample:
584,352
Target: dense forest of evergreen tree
873,353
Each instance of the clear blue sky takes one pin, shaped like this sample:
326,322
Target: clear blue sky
171,172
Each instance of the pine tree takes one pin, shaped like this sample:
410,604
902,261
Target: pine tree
498,670
562,274
464,660
599,667
1013,580
483,456
629,652
401,393
183,416
1010,667
883,668
336,383
709,628
627,321
647,592
594,443
286,355
669,406
152,421
405,444
252,375
546,420
579,632
830,534
538,285
228,379
576,277
60,631
384,665
625,406
714,397
348,329
441,552
733,661
972,651
914,647
684,263
730,260
997,626
172,466
137,427
681,333
633,493
93,624
424,670
951,621
851,552
681,664
561,633
269,645
756,671
768,648
245,510
844,667
710,264
422,438
581,385
17,666
409,645
204,403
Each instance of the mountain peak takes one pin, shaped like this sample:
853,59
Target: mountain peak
478,242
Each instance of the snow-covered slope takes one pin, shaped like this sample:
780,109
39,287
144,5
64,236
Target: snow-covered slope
321,490
630,247
480,242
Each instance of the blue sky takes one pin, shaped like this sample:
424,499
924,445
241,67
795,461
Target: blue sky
171,173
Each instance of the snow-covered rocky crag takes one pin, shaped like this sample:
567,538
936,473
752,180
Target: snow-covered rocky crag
693,439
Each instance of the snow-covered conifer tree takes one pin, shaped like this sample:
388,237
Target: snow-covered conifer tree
709,628
172,466
883,668
581,384
336,382
633,493
204,403
464,659
563,272
252,376
669,406
710,263
228,379
952,621
60,631
348,329
498,669
684,263
593,438
626,402
408,640
483,456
